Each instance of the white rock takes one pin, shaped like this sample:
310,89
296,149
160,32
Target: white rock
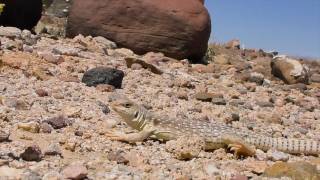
105,42
10,31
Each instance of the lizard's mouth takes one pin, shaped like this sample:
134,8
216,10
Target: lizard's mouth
118,108
114,106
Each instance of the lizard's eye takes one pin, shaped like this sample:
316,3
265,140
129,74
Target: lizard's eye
127,105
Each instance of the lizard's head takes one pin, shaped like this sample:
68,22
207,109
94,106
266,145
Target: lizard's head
125,108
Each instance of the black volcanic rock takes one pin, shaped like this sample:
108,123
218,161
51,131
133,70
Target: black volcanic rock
103,75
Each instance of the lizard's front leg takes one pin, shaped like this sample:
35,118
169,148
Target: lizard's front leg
132,137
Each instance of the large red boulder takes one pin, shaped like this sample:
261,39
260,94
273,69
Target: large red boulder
177,28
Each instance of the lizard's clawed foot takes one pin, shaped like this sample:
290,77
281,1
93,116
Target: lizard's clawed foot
115,136
240,149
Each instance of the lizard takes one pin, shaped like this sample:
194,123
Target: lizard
216,135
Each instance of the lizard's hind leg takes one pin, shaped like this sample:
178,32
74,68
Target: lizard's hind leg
238,146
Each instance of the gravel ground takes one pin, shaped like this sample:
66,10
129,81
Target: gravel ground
53,125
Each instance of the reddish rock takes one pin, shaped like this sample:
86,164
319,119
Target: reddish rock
52,58
200,68
179,30
42,92
131,61
75,172
117,156
105,88
58,122
239,177
233,44
291,71
69,78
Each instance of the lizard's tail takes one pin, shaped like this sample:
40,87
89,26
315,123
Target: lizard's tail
292,146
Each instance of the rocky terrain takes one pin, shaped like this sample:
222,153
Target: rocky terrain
53,121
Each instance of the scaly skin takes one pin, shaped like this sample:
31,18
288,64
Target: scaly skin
216,135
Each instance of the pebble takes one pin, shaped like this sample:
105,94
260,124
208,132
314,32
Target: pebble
206,97
315,78
257,78
57,122
65,50
105,42
105,88
11,32
4,136
52,58
72,112
185,148
182,94
52,175
18,104
118,156
294,170
75,172
103,75
10,173
265,104
275,155
53,150
68,78
32,153
221,59
236,102
219,101
71,146
136,66
42,93
45,128
32,127
239,177
211,169
261,156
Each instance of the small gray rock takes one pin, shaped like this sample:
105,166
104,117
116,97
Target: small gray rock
118,157
53,150
315,78
237,102
65,50
257,78
45,128
219,101
264,104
